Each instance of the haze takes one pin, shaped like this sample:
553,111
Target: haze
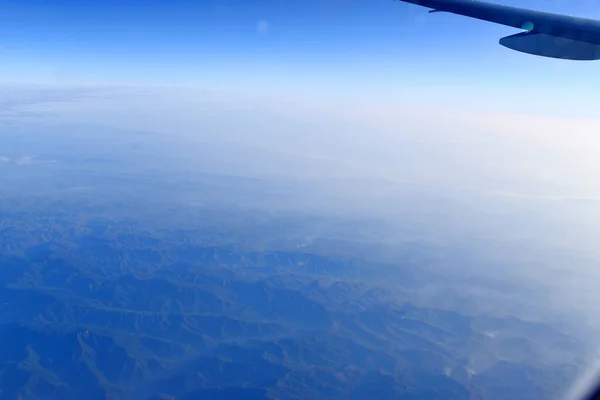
320,129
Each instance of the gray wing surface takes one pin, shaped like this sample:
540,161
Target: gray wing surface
544,34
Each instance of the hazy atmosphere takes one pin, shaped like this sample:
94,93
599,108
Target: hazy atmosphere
292,200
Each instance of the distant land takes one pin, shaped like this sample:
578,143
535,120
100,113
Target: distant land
121,279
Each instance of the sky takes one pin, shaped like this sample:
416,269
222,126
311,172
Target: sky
371,49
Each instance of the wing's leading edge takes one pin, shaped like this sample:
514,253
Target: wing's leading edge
547,34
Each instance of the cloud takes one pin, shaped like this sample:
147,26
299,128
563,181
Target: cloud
27,160
263,27
18,100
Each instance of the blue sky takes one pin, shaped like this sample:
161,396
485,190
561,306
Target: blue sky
372,50
343,45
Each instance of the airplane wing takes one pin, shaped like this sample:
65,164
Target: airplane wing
545,34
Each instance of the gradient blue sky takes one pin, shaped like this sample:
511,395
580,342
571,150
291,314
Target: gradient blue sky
336,45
